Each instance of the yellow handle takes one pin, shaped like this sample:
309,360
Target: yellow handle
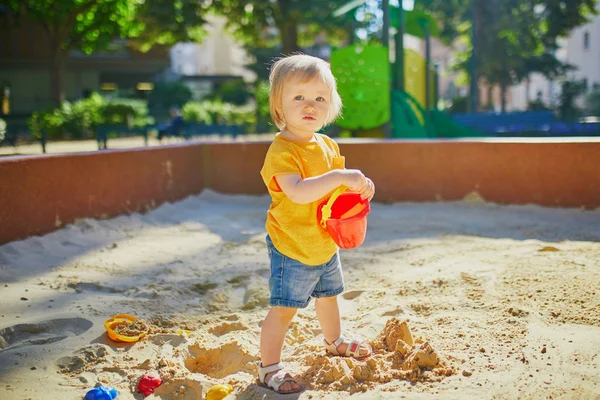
326,210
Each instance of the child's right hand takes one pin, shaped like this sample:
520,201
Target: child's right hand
354,179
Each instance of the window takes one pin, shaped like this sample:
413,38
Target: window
586,41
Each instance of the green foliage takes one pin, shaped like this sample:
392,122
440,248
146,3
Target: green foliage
592,103
2,129
166,95
263,112
79,120
93,25
514,37
571,90
75,120
459,105
298,21
217,112
196,112
126,111
85,25
51,121
234,91
261,95
81,117
537,105
166,22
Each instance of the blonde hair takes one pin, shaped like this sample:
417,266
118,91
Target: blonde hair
304,68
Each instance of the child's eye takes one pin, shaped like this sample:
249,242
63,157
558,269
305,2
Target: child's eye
320,98
299,97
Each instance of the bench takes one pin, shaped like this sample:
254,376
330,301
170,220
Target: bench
189,130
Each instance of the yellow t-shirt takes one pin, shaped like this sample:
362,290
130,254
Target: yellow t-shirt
294,228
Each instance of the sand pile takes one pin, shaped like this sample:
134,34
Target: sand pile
188,364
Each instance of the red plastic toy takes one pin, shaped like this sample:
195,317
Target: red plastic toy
148,383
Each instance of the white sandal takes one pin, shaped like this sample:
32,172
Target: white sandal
276,379
353,349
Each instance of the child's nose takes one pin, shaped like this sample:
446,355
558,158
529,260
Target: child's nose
309,106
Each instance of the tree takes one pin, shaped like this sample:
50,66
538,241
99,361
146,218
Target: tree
567,107
167,22
92,25
514,38
297,21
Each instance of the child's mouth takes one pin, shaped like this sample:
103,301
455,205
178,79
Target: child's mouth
309,118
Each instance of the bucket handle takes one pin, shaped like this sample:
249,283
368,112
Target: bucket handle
326,210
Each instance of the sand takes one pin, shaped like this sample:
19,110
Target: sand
461,300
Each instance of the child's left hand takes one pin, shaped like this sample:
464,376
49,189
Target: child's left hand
368,191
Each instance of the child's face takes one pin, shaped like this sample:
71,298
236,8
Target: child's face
305,106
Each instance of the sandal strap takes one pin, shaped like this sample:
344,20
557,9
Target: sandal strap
332,347
276,381
339,341
353,349
263,371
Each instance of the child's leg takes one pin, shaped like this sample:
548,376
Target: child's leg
328,314
273,333
271,340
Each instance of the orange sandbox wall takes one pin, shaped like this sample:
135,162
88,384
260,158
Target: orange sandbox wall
42,193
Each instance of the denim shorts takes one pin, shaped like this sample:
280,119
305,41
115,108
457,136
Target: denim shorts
292,284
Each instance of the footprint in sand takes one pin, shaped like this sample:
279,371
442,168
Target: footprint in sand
83,358
92,287
393,312
352,294
42,332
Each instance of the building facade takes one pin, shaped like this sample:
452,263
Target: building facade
580,49
219,58
25,69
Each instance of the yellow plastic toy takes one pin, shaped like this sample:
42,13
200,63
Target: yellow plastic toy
123,319
219,392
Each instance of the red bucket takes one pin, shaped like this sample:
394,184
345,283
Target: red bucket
344,216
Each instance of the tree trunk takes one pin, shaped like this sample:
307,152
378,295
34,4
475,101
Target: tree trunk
479,30
490,97
503,97
57,71
289,37
527,90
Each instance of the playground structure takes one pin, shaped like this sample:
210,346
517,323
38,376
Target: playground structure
398,99
374,97
364,83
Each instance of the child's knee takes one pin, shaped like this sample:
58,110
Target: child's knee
284,314
327,300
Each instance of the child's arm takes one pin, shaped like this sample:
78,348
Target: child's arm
304,191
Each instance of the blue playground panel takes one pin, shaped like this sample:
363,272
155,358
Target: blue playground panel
508,123
528,123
